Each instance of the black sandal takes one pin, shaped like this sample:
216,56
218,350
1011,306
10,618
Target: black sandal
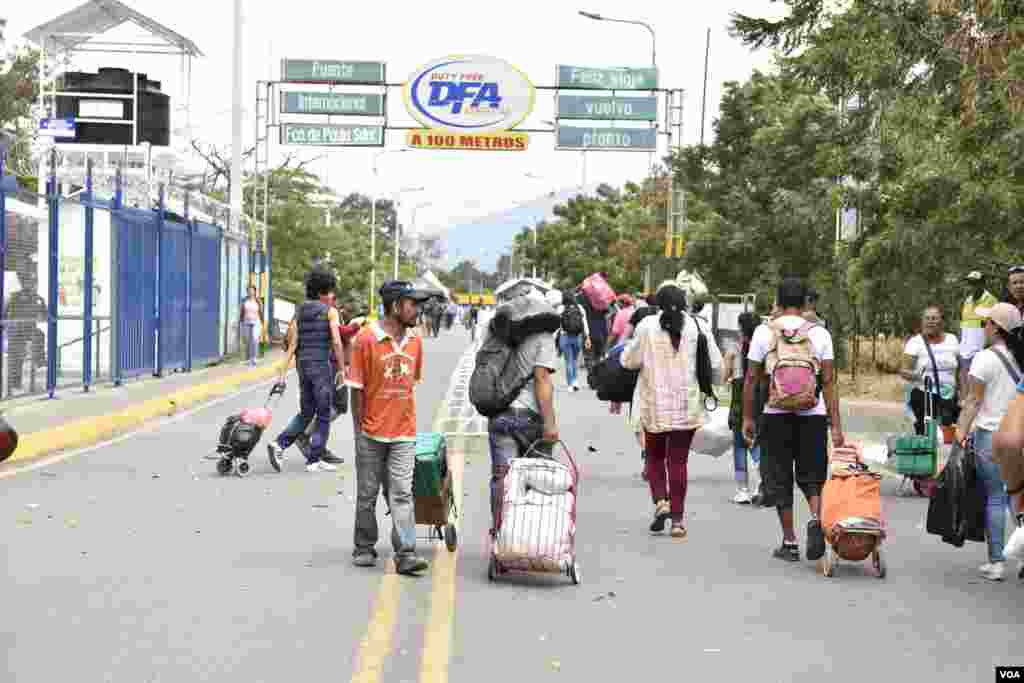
789,552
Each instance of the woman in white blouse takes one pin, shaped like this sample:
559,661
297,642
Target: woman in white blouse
941,366
668,399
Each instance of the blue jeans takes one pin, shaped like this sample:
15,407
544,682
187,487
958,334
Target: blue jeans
509,435
995,492
251,339
571,347
739,454
389,466
316,399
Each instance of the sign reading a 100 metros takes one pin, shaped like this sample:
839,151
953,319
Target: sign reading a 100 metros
469,94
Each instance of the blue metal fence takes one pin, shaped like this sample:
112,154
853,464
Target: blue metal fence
104,292
205,292
174,295
137,250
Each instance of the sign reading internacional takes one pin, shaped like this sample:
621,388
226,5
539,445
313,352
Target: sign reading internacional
332,135
332,103
506,141
640,139
625,78
332,72
469,94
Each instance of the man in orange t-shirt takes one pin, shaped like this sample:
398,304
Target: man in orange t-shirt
387,364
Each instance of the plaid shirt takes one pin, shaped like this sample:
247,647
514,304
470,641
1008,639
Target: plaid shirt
667,394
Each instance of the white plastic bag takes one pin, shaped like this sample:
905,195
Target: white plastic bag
714,438
1014,549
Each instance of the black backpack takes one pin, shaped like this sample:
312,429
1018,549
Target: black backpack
705,371
612,381
498,376
572,319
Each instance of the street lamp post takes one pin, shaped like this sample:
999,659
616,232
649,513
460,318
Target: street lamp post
398,226
373,226
416,208
635,22
536,225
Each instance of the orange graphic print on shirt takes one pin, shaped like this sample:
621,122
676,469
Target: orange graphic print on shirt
388,374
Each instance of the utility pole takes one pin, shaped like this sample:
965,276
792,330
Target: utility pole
235,191
704,98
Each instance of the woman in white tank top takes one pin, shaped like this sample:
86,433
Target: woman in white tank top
252,324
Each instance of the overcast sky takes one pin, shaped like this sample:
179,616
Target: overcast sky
531,34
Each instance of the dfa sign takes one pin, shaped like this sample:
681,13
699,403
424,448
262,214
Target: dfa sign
469,93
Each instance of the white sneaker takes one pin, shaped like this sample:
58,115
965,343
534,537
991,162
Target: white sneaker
742,497
994,571
321,466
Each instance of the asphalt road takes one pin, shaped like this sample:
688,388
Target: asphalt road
135,562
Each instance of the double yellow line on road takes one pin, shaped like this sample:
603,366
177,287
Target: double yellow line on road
376,645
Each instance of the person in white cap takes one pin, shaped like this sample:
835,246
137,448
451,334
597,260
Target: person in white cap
995,374
972,336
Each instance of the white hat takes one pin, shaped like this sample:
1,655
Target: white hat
975,276
1006,316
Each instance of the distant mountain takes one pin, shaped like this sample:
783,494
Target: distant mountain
495,232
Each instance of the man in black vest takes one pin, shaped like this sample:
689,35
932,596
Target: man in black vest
313,335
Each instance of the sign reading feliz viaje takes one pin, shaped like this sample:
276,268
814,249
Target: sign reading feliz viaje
625,78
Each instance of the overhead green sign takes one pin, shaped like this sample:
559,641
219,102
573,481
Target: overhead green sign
639,139
332,71
332,135
625,78
332,103
606,108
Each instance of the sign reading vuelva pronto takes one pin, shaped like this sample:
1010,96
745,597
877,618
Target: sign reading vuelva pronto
469,94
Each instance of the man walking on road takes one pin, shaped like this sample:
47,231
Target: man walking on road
789,352
531,416
387,364
312,337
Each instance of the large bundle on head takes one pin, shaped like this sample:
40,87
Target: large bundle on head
523,316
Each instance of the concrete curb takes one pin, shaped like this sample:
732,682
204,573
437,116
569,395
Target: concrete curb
92,430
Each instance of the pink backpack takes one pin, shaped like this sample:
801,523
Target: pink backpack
598,293
792,368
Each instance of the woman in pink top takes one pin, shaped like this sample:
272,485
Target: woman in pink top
668,399
252,324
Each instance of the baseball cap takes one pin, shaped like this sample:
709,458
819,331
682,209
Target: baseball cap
975,276
402,289
1006,316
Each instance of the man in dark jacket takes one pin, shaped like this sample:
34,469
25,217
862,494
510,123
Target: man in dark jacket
313,335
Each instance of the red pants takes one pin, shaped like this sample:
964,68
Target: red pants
669,451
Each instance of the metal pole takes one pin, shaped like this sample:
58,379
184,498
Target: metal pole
704,98
53,276
236,120
373,248
87,294
161,338
3,258
398,228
